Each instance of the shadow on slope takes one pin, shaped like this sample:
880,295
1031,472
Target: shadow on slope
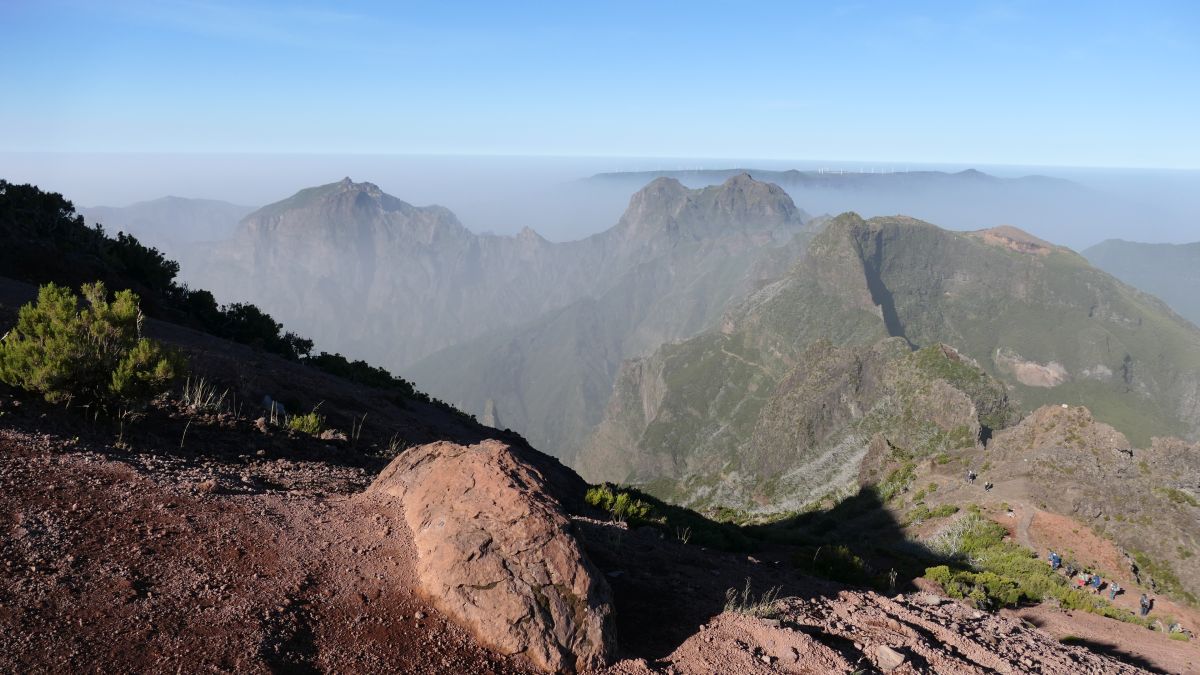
1114,652
673,570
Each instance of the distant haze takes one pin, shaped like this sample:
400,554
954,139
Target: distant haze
502,194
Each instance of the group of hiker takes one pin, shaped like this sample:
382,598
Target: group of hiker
1094,582
971,476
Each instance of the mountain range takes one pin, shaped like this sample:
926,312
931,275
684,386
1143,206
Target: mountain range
747,413
533,335
1061,210
537,328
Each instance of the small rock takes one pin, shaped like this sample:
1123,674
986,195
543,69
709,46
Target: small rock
928,599
419,615
888,659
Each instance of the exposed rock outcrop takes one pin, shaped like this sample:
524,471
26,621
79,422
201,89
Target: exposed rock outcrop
496,553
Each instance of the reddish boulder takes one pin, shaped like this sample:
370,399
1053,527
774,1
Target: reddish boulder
495,552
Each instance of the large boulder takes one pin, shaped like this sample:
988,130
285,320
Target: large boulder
495,551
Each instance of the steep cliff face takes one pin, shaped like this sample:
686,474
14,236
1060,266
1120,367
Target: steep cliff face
738,410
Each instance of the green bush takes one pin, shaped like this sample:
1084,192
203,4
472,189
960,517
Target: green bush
94,355
311,423
622,506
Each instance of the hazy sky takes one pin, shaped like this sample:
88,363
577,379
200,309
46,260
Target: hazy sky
1086,84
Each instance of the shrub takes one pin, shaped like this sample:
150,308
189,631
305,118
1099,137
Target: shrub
622,506
311,423
95,355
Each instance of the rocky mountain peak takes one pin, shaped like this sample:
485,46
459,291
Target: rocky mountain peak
665,207
530,235
348,185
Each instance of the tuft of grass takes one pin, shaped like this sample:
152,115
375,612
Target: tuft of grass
836,562
200,395
746,603
1181,637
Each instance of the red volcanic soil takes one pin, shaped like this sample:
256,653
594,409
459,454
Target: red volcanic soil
197,568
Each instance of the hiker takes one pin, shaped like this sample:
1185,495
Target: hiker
1083,580
1113,589
1097,583
1071,570
970,475
987,487
1145,603
1055,561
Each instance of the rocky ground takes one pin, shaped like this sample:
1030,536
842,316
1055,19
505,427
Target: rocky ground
110,566
130,561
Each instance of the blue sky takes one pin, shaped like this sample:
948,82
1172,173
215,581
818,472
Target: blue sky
1087,84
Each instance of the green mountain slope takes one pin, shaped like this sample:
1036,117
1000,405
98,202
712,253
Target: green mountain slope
1169,271
726,415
